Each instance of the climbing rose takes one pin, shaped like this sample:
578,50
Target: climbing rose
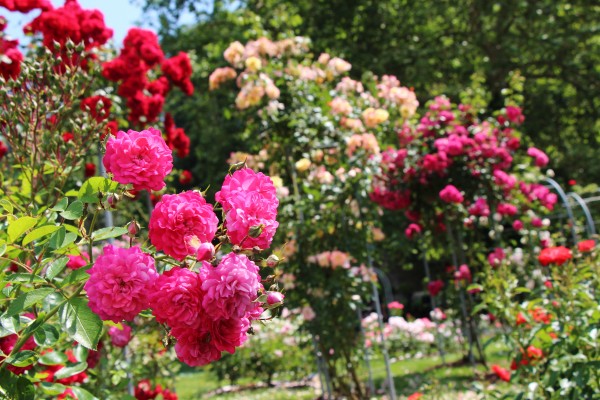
231,288
180,223
541,159
555,255
76,262
119,283
227,334
501,373
120,337
274,298
141,158
177,297
450,194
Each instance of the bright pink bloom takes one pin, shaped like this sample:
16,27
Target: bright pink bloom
274,298
177,297
517,225
463,273
227,334
230,288
541,159
480,208
141,158
496,257
250,202
507,209
196,347
120,337
412,231
76,262
120,282
450,194
181,223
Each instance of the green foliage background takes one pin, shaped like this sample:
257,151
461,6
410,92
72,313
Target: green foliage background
434,46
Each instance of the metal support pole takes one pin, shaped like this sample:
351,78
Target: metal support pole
567,205
591,226
367,355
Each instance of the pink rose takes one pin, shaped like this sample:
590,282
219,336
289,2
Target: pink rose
227,334
120,282
274,298
76,262
496,257
450,194
177,297
120,337
231,288
181,223
541,159
196,347
249,200
141,158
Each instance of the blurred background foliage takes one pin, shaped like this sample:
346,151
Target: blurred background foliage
434,46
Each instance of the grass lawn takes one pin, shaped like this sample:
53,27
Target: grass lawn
412,375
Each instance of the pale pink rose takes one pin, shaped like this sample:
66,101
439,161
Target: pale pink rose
120,282
140,158
177,297
181,223
120,337
339,66
230,288
340,106
233,54
308,313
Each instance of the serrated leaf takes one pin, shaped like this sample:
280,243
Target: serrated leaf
47,335
53,358
57,238
22,358
17,227
74,211
90,189
39,233
26,300
56,267
108,233
76,276
24,277
16,387
66,372
81,323
61,205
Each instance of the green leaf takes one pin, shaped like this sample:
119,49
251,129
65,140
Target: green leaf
61,205
22,358
24,277
39,233
66,372
76,276
17,227
52,389
74,211
46,335
90,189
80,323
54,358
82,394
16,387
26,300
108,233
7,206
58,238
56,267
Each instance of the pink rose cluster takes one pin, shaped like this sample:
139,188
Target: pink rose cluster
140,158
450,144
249,200
208,312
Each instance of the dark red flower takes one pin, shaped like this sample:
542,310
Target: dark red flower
90,169
91,105
435,287
185,178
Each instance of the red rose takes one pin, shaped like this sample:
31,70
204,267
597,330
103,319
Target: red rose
501,373
586,246
555,255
